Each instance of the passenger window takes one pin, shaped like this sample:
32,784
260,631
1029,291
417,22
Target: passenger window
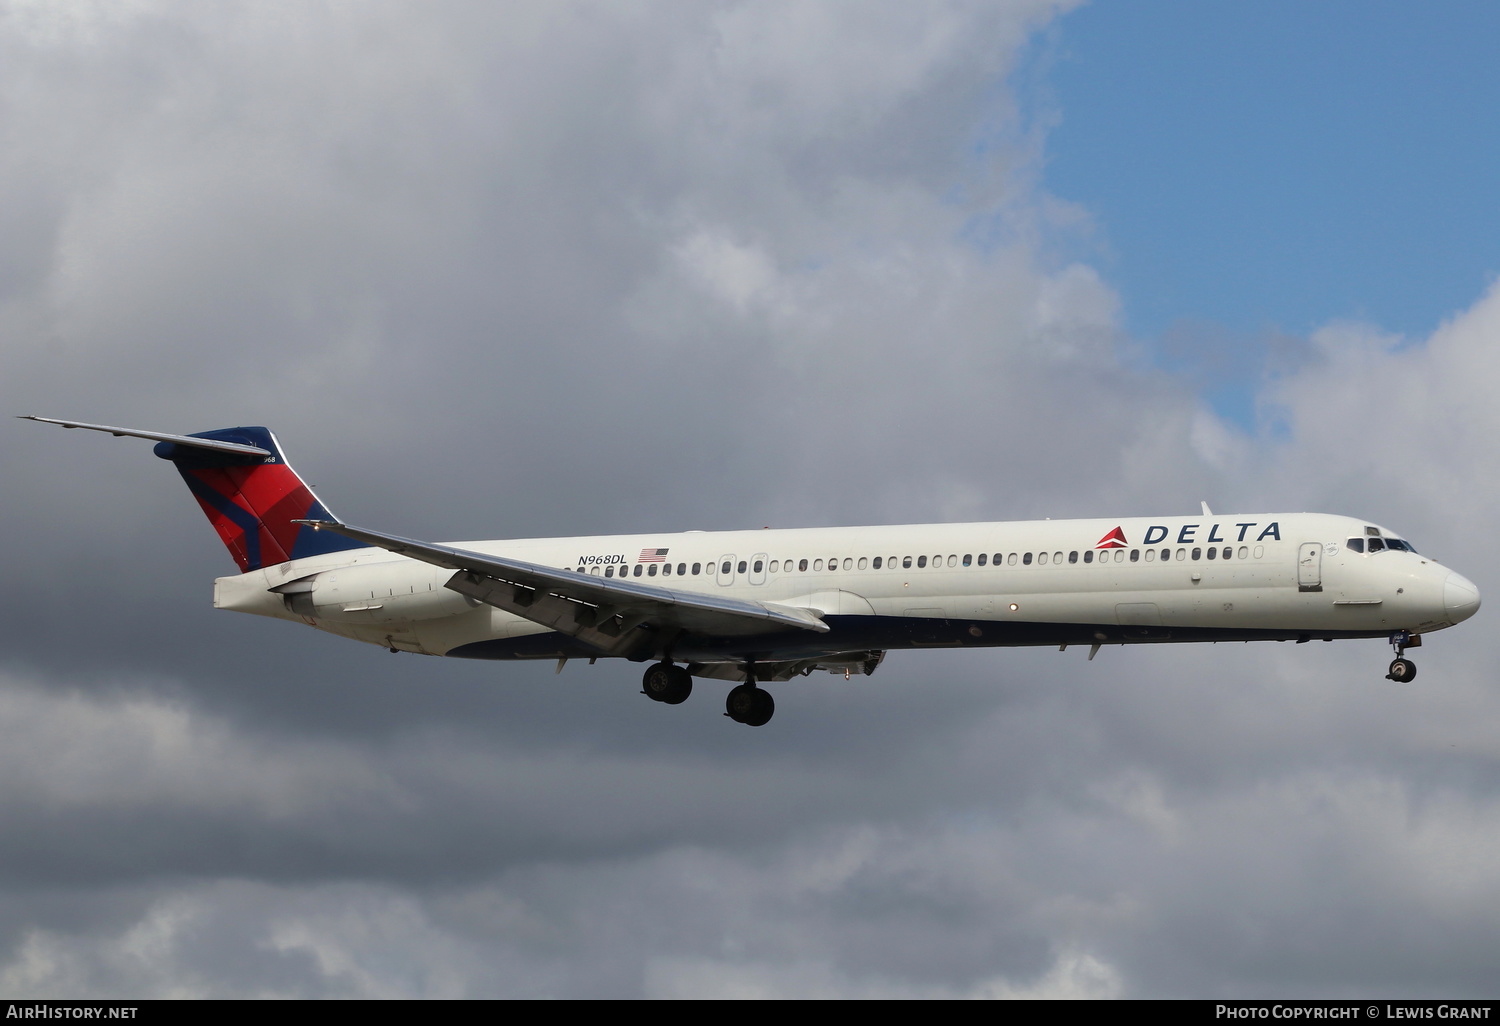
833,564
681,569
1166,554
1010,560
953,561
817,564
1181,555
609,571
1057,557
775,564
1088,555
998,555
1150,555
1197,553
1244,552
696,568
1228,552
1135,555
637,571
921,561
1026,559
906,562
724,570
864,562
1041,559
982,557
1213,553
758,565
802,565
968,559
651,570
848,563
1073,557
877,563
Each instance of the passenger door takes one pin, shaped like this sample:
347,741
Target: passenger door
1310,566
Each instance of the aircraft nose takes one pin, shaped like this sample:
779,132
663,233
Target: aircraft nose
1460,598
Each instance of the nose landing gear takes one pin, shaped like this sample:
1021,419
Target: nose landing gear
1402,670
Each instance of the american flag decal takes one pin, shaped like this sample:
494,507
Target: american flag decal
652,556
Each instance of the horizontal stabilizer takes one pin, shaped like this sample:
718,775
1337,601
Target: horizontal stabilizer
216,445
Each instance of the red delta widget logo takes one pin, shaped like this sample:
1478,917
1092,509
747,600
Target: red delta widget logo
1113,540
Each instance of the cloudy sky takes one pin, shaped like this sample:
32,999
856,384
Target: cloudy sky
508,270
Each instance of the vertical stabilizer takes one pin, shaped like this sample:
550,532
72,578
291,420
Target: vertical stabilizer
252,500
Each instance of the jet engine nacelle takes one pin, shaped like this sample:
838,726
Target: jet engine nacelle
372,594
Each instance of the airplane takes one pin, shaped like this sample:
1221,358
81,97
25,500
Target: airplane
758,606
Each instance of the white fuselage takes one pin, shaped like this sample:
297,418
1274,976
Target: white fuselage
1271,576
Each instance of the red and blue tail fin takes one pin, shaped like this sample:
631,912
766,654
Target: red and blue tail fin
253,500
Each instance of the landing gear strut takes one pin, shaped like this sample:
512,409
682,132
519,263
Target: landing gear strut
663,682
1403,670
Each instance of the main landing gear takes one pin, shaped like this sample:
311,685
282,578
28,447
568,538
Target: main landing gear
1403,670
750,705
664,682
747,704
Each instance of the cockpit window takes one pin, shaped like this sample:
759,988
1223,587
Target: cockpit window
1378,544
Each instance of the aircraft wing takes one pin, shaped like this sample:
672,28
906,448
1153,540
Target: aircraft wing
603,612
